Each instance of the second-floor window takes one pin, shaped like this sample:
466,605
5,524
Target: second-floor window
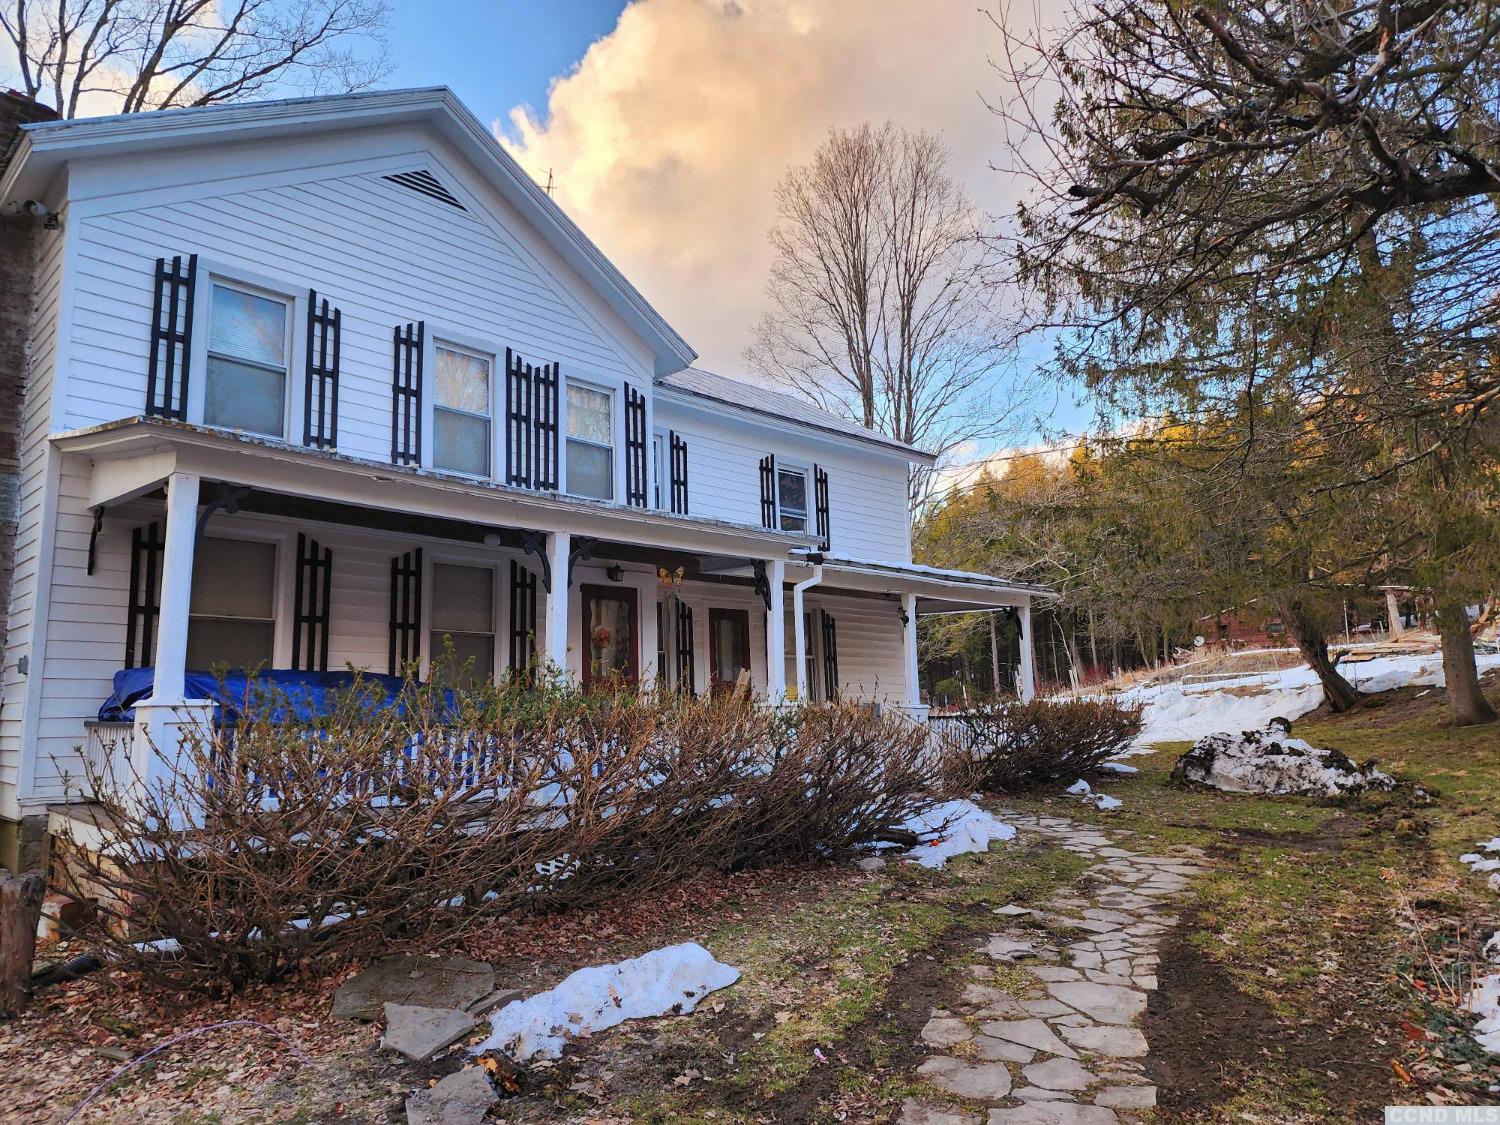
248,345
591,449
461,412
791,497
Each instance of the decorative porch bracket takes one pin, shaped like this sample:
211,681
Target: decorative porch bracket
536,544
762,583
227,501
582,551
94,535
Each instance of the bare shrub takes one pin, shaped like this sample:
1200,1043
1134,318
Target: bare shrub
1012,746
269,842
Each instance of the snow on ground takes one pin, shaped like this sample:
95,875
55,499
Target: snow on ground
954,828
1104,801
668,980
1271,761
1487,865
1181,712
1484,1001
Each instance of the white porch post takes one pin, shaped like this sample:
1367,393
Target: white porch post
559,546
165,720
776,633
1028,659
909,642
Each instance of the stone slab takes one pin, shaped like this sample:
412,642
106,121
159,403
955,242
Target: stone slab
940,1032
1029,1033
914,1112
419,1033
1058,1074
1106,1003
1053,1113
436,982
984,1082
1114,1042
1127,1097
462,1098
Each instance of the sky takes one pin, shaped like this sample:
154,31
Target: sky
666,124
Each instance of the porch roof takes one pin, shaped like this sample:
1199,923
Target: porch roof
134,456
938,590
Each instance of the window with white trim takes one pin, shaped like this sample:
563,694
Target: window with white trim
232,607
461,411
591,448
249,345
461,640
791,497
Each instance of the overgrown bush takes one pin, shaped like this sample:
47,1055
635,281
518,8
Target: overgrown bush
1008,746
265,844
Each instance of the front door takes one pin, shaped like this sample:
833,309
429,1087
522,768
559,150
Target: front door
610,639
729,648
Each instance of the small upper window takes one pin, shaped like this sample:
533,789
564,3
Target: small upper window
658,465
591,451
245,388
791,498
461,412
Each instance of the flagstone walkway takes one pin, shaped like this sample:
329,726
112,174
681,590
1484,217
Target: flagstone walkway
1058,1045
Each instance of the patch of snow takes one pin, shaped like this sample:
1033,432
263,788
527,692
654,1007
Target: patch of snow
1079,788
670,980
1106,802
1119,767
1271,761
1480,864
953,828
1484,1002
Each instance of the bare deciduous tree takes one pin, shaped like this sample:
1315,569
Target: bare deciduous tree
126,56
880,307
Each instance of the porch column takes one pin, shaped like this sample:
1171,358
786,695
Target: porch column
1028,660
776,633
909,642
559,546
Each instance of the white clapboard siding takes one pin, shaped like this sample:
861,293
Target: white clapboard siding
35,422
866,489
382,254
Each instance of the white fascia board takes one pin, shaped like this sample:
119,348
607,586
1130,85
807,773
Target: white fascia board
46,148
963,588
161,447
742,416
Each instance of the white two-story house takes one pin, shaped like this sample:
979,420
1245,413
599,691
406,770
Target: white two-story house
330,383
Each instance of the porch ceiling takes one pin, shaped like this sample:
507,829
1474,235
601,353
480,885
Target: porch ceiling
132,458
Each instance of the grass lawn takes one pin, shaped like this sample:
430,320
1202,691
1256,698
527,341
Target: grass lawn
1305,982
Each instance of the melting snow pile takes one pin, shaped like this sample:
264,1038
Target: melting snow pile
953,828
1081,788
1484,1002
1485,864
1271,761
668,980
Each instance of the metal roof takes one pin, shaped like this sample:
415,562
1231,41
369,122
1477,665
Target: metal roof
783,407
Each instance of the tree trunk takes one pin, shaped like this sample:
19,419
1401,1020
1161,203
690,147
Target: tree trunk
20,910
994,657
1307,631
1093,644
1470,708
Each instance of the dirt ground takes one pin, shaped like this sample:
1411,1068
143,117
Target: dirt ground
1310,977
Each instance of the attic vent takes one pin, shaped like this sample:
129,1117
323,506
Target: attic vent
425,182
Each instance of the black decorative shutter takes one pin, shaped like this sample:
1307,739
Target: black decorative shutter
545,384
320,402
522,617
146,550
406,610
312,597
830,657
768,490
406,395
635,447
171,338
679,471
820,498
686,680
520,441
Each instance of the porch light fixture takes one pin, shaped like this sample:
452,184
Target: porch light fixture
492,539
615,573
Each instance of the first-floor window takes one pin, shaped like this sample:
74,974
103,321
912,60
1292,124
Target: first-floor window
591,450
462,638
461,412
609,635
662,665
809,663
791,497
232,611
248,345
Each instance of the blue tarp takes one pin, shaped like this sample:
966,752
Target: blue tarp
307,694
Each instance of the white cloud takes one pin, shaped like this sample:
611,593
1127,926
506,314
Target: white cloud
668,139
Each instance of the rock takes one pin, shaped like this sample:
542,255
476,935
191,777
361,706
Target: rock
870,863
463,1098
1056,973
939,1064
497,999
438,982
1106,1003
1087,959
940,1032
1058,1074
1114,1042
979,994
1045,1008
1029,1033
1127,1097
998,1050
1270,761
1037,1094
1011,910
914,1112
986,1082
1008,949
419,1033
1053,1113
